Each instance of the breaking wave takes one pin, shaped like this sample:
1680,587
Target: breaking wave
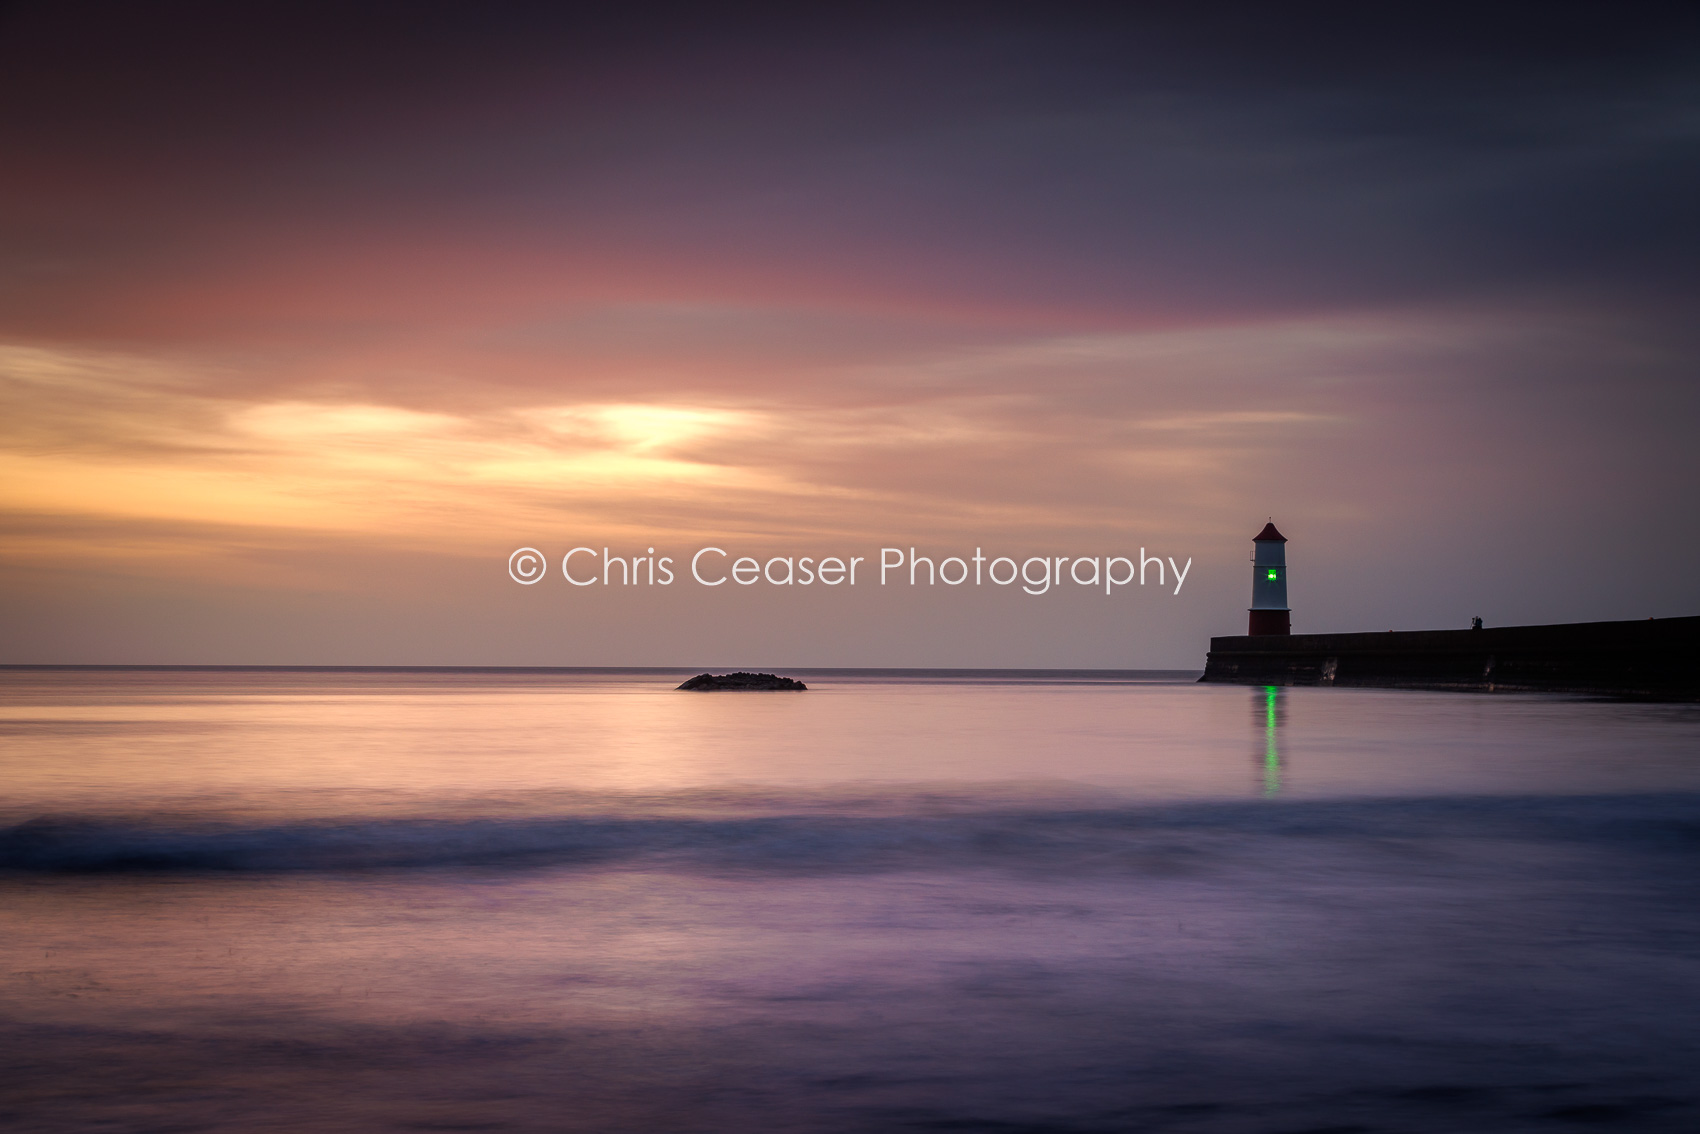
1167,839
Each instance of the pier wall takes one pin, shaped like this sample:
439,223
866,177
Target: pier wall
1656,657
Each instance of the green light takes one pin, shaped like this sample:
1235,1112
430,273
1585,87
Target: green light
1271,572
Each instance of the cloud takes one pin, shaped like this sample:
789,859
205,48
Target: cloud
1061,432
503,173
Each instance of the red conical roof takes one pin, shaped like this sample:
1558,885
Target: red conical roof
1269,533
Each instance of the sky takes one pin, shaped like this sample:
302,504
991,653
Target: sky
310,315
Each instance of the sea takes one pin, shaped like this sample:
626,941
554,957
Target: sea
240,900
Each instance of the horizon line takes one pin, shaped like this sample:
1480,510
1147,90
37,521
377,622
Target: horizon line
264,668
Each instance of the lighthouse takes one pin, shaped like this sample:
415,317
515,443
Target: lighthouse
1269,613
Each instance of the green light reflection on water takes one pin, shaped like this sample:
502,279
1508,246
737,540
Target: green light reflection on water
1271,752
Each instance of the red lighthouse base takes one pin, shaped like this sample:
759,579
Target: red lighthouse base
1266,622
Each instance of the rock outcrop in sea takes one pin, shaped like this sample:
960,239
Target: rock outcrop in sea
740,682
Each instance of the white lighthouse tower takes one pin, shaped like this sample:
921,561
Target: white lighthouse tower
1269,613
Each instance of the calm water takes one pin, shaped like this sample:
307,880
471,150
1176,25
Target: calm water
240,901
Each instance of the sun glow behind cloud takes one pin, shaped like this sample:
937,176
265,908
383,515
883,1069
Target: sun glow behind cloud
543,448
